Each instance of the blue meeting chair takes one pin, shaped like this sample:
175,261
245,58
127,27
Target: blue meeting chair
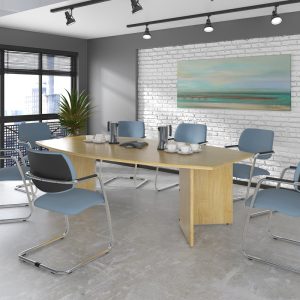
260,143
185,133
54,174
16,173
29,133
280,200
132,129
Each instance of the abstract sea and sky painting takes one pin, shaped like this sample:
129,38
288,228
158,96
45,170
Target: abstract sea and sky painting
256,82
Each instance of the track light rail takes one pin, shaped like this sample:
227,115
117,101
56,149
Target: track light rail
219,12
76,5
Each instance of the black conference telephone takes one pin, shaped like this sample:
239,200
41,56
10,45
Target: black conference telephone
134,144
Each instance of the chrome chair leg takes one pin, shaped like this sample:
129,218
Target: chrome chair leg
279,237
30,197
135,178
165,187
23,255
263,260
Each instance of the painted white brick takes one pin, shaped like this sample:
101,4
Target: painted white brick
157,96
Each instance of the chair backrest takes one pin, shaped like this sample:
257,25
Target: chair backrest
51,165
191,133
32,132
297,177
257,140
135,129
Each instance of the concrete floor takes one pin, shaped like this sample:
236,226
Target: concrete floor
150,258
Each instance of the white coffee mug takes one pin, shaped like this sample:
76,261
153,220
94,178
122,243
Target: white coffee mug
99,137
171,147
195,147
180,144
185,149
89,138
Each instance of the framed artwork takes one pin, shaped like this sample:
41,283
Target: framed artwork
255,82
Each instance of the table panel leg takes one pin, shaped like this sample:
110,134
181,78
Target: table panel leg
205,198
186,204
213,196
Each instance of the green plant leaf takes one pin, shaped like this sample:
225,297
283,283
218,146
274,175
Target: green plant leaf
74,111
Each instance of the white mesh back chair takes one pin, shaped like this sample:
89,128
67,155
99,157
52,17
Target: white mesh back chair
281,200
133,129
53,174
260,143
15,173
185,133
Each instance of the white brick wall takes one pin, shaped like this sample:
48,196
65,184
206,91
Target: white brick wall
157,94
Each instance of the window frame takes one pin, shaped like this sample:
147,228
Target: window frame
40,72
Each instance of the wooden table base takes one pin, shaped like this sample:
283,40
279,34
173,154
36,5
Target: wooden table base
205,198
84,167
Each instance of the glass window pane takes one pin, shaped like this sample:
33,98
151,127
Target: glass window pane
21,94
57,63
53,87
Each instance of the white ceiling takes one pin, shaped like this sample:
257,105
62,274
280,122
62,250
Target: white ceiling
110,18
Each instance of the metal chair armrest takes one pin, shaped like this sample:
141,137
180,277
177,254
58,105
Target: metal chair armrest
266,152
26,143
231,146
271,179
31,176
85,178
276,179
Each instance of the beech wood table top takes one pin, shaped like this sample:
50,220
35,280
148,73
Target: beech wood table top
209,158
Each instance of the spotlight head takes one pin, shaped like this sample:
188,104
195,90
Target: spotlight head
69,17
208,26
147,34
136,6
276,19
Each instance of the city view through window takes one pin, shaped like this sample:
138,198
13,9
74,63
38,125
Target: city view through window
32,84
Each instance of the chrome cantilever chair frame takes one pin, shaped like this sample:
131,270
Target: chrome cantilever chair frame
254,159
172,185
279,181
23,255
135,178
25,184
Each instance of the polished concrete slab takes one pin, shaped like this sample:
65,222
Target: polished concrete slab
150,258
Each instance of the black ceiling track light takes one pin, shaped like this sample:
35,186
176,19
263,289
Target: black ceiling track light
136,6
208,26
147,34
276,19
69,9
69,16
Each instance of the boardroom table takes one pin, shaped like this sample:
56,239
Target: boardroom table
205,178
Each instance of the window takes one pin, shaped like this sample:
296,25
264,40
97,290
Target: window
31,82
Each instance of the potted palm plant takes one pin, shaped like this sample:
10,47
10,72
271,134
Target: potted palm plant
74,111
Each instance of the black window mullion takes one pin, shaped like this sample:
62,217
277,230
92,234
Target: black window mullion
40,85
74,73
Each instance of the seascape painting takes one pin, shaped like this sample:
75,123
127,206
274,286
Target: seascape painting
256,82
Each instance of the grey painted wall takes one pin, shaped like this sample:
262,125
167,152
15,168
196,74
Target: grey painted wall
48,41
112,66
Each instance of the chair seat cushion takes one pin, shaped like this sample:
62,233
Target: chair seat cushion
71,202
243,171
281,200
11,173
